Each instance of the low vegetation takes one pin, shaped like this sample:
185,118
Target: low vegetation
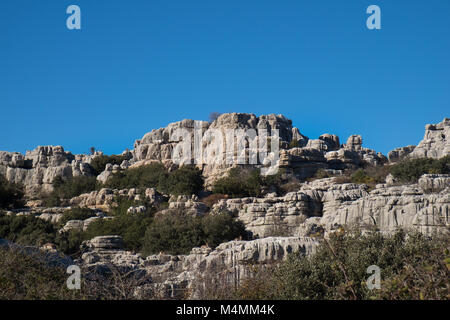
25,276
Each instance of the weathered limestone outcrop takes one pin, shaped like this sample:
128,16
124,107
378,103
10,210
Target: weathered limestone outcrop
174,276
39,167
304,160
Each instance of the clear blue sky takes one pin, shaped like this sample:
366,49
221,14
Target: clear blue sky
139,65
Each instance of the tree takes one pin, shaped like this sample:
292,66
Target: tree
213,116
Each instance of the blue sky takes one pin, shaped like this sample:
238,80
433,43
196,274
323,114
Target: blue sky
139,65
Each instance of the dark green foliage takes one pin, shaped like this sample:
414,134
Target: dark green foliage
99,163
222,227
294,144
148,176
413,267
177,233
11,194
185,180
409,171
76,213
26,230
26,277
69,188
69,242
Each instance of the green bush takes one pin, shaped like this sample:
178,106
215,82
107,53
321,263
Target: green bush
413,267
26,276
409,171
148,176
26,230
76,213
185,180
222,227
69,188
294,144
11,194
177,233
240,183
99,163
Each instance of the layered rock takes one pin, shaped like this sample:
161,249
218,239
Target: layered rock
435,144
105,197
39,167
423,207
175,276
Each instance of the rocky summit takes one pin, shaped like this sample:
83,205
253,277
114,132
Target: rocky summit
321,186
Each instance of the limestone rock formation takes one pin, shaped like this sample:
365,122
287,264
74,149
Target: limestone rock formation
105,197
39,167
173,276
435,143
304,160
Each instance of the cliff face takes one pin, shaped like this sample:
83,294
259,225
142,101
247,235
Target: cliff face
37,168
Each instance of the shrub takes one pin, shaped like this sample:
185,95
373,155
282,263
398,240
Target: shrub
76,214
148,176
131,227
69,188
222,227
99,163
240,183
173,233
25,277
177,233
412,267
26,230
294,144
409,171
185,180
11,194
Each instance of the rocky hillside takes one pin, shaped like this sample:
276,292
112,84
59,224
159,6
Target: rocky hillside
110,209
